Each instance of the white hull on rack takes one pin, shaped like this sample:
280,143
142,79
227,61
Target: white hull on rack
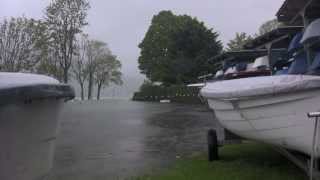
269,109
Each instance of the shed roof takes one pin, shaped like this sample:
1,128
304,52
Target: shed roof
289,12
282,35
244,55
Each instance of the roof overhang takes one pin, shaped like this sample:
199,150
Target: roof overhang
247,56
292,10
279,37
240,56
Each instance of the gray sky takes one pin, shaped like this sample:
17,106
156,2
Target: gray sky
123,23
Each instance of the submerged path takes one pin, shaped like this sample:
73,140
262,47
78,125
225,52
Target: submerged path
114,139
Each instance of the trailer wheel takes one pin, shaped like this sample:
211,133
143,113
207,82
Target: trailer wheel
212,145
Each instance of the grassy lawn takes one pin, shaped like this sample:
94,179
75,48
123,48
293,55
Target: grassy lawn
248,161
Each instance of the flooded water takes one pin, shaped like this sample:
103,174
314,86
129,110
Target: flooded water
115,139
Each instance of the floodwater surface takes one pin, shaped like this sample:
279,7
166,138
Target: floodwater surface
116,139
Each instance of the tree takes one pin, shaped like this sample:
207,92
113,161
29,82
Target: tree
238,42
107,72
95,51
176,49
19,46
50,62
49,58
79,67
65,19
269,26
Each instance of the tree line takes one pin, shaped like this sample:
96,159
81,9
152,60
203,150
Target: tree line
57,46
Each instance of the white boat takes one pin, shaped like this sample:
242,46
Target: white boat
269,109
272,109
29,113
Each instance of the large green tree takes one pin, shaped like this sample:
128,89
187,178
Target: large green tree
176,49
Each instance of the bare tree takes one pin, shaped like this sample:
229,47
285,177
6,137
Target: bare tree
65,19
49,61
96,49
79,67
18,44
107,72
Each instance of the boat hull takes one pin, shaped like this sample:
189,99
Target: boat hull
278,119
27,135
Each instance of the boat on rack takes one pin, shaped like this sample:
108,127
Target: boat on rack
273,109
270,109
29,114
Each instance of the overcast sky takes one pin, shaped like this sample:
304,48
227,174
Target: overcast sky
123,23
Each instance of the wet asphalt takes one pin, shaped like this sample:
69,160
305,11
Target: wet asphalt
117,139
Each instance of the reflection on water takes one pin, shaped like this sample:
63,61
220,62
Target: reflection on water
114,139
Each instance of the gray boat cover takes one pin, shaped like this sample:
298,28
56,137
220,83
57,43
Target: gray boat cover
312,32
259,86
17,87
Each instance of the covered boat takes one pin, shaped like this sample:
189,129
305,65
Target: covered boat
270,109
29,113
273,109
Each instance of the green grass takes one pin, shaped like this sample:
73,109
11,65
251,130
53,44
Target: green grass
248,161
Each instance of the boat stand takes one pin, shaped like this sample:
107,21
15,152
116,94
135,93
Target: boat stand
313,164
309,164
301,161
